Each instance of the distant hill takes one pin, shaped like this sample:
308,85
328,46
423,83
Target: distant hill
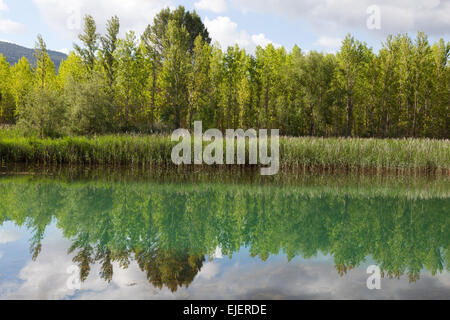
14,52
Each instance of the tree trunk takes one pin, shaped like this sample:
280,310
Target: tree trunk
266,104
152,117
349,115
414,116
311,120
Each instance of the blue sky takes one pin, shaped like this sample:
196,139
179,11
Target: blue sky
312,24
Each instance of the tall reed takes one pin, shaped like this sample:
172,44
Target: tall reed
143,150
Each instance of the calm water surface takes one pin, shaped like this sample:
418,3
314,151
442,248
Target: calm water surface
229,235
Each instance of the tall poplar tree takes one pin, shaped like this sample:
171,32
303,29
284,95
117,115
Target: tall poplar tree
351,61
174,76
22,82
7,105
89,38
108,48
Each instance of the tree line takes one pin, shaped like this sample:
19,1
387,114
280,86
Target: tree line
172,76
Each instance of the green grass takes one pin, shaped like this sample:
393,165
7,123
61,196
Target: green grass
8,132
103,150
303,153
356,153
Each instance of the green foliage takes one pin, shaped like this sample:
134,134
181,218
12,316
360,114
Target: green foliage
43,113
44,70
90,110
199,84
130,81
7,105
172,76
90,39
191,21
109,46
22,82
71,70
351,64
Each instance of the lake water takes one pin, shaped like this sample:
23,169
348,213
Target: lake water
201,234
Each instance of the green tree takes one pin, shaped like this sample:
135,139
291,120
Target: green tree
191,21
247,93
292,117
7,105
130,79
174,76
109,45
270,63
43,113
435,124
199,82
22,82
71,69
317,77
154,44
90,110
216,76
422,65
90,40
389,87
153,61
233,62
351,61
44,70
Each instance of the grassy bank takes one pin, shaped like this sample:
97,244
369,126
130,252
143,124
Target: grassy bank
135,150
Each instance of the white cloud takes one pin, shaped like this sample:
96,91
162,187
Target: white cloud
64,50
209,271
8,26
226,32
67,18
3,6
8,236
216,6
47,277
261,40
432,17
329,42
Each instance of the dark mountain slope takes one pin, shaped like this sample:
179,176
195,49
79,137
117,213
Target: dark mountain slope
14,52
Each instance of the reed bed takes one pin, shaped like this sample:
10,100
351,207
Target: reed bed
356,153
147,150
102,150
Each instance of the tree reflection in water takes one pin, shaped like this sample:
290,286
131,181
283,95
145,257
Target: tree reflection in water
171,228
